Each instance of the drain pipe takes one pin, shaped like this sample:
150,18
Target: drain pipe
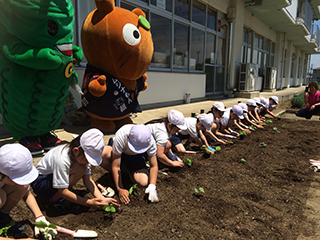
282,64
228,87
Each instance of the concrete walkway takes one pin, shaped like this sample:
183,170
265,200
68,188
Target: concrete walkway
68,132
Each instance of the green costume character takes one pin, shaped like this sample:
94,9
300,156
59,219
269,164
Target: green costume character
36,68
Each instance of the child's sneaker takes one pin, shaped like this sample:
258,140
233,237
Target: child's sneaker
6,221
49,141
64,205
32,144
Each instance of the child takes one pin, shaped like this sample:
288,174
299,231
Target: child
246,120
162,130
16,173
229,119
267,106
196,130
257,109
218,110
251,106
63,166
133,145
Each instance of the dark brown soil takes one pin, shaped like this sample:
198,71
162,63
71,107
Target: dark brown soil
262,198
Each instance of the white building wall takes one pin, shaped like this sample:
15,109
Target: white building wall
162,87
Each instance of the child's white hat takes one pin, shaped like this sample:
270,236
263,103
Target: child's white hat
92,144
206,120
176,118
139,138
16,163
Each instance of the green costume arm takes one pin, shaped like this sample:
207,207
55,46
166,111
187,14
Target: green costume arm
77,53
36,58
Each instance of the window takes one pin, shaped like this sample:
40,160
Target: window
198,12
211,18
182,8
221,51
181,46
163,4
210,50
197,47
161,35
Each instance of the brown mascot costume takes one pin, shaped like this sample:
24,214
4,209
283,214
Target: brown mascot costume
118,46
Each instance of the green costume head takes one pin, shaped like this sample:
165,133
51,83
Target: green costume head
36,64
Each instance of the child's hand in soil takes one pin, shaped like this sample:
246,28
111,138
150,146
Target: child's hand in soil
124,196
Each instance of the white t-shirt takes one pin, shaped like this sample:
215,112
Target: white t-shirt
225,117
120,142
191,130
57,162
159,133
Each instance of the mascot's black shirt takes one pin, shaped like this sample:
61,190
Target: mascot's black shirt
117,100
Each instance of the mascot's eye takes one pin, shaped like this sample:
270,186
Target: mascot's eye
52,27
131,34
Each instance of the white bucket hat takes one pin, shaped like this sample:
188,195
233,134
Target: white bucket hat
275,99
139,138
92,144
243,106
206,120
251,102
219,106
238,111
16,163
176,118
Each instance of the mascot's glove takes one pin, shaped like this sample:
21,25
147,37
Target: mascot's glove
43,227
97,87
153,196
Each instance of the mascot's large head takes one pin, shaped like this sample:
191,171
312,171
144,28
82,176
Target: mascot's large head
117,41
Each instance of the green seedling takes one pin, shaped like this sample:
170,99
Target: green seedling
218,148
282,126
109,209
229,142
188,162
4,230
251,128
242,133
295,120
133,189
262,144
242,160
46,227
279,116
268,121
199,192
203,147
275,129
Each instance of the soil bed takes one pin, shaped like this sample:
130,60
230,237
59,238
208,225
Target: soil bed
261,198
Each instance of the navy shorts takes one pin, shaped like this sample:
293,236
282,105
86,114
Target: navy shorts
134,162
176,139
42,186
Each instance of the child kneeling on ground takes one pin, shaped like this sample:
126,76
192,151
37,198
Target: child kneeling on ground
134,145
63,166
16,173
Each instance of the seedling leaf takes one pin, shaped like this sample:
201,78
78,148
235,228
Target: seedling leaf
203,147
242,160
262,144
275,128
196,191
242,133
230,142
218,148
133,190
201,189
282,126
188,161
268,121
